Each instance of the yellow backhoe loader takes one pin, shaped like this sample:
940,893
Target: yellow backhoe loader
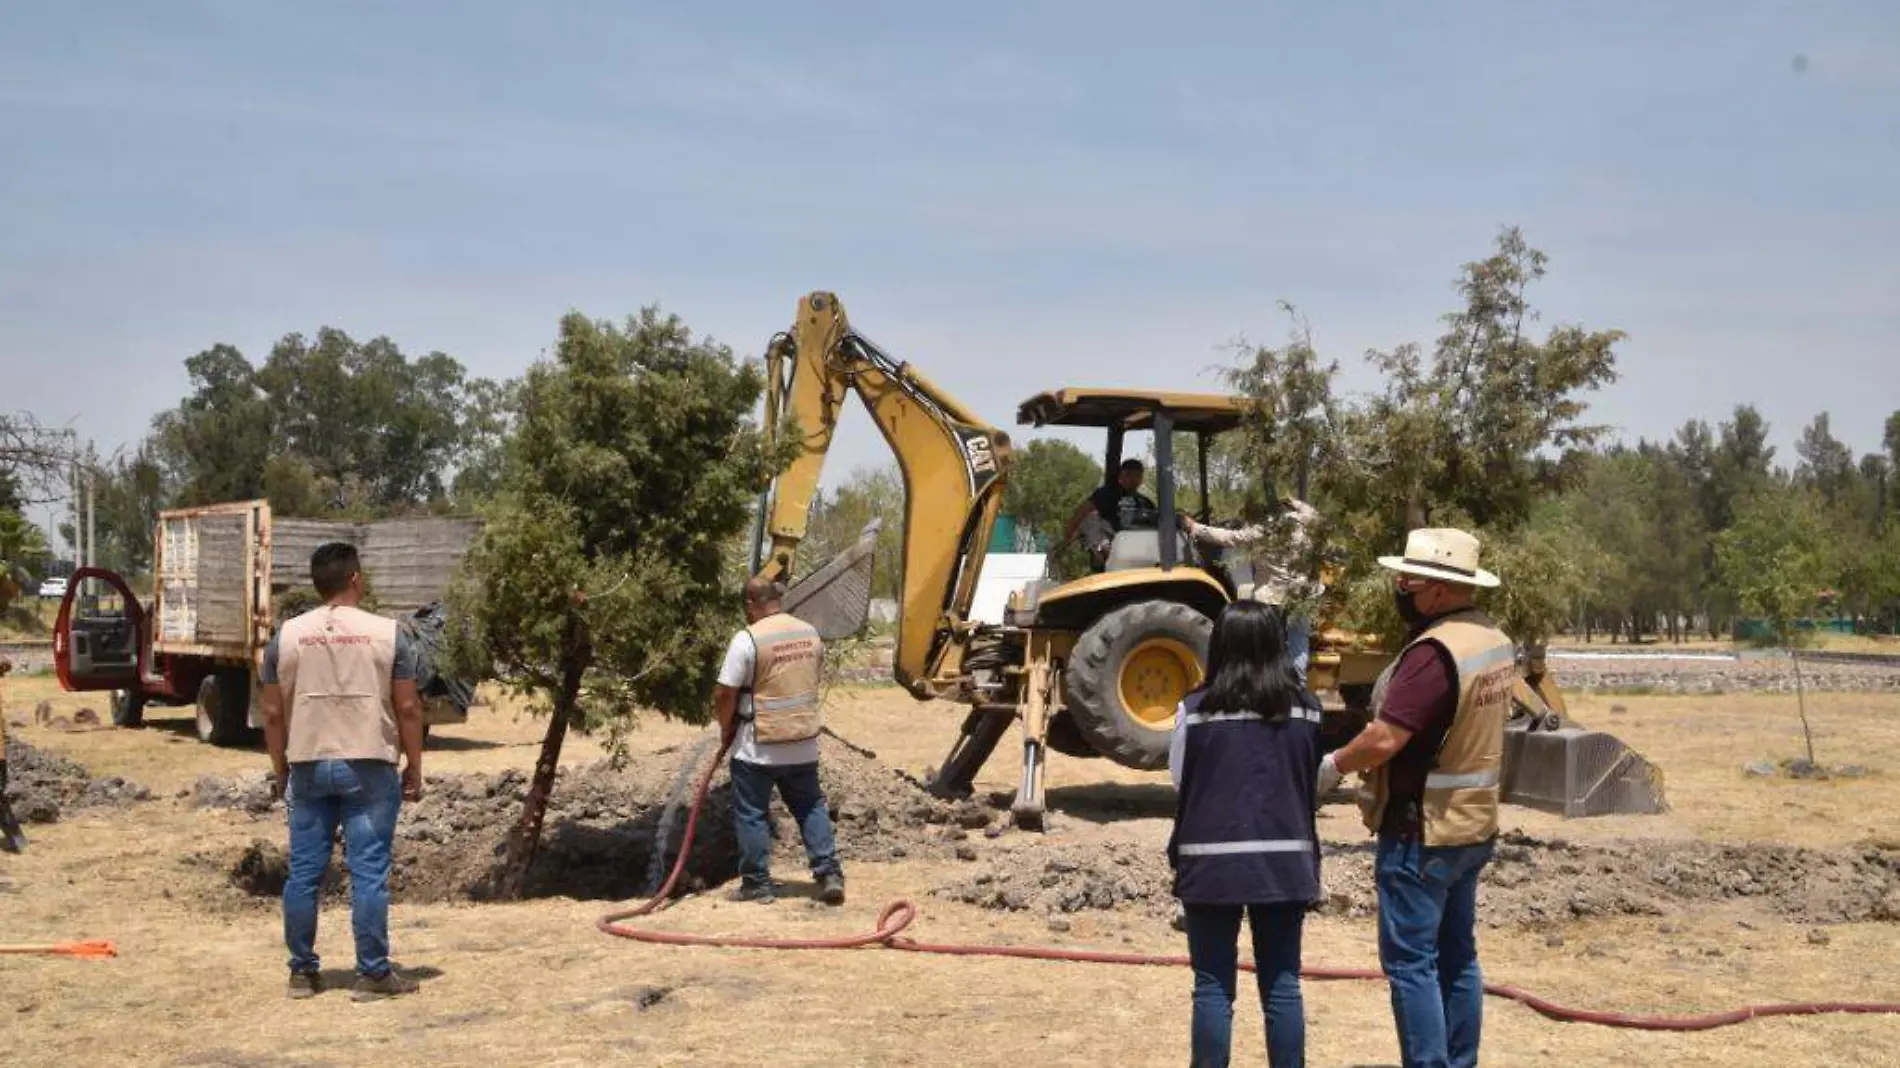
1092,667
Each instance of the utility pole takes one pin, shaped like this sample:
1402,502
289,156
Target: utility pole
72,496
92,511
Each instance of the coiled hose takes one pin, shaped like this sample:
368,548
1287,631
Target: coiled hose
899,915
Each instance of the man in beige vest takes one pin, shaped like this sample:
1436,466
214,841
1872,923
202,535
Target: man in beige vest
1431,758
768,706
340,706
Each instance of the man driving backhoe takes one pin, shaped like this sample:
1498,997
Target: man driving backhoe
1116,506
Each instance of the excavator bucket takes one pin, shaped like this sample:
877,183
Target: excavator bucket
836,598
1553,764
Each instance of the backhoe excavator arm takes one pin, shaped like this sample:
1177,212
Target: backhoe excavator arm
954,467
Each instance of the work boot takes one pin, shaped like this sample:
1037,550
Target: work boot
761,893
305,984
831,889
392,984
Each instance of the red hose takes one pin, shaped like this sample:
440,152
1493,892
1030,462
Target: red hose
898,915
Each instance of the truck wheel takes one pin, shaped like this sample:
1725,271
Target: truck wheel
224,706
128,709
1128,672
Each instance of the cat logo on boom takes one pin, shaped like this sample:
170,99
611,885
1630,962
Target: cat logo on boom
982,460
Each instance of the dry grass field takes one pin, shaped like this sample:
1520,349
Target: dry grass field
200,977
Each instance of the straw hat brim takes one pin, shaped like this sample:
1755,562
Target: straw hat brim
1482,578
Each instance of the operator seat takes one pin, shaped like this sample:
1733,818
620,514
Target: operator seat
1133,549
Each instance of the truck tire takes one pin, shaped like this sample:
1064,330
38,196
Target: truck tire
1128,672
224,706
128,708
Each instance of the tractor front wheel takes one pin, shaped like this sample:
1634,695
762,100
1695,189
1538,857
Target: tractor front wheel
1127,674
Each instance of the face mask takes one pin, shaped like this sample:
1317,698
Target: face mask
1406,601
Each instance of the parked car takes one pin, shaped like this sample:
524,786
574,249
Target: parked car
53,587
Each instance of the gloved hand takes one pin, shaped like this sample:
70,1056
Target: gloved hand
1329,776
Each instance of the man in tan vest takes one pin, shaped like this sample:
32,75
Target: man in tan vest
1431,758
767,703
340,706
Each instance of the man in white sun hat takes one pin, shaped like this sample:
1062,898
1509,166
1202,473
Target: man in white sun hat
1431,759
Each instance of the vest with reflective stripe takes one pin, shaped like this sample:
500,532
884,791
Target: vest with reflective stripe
785,676
1244,829
333,669
1460,803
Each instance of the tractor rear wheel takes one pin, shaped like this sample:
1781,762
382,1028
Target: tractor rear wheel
1127,673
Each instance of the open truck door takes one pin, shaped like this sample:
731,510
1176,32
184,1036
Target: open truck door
99,641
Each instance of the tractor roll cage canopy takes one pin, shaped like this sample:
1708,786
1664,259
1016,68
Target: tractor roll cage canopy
1122,410
1132,409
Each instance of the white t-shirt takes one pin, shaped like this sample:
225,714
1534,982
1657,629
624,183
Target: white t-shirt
736,672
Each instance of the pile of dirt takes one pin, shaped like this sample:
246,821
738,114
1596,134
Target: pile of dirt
1531,882
41,785
603,824
1070,878
250,793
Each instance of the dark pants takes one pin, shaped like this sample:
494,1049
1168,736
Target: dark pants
1428,947
1212,932
364,798
752,786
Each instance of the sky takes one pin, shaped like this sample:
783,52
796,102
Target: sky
1014,197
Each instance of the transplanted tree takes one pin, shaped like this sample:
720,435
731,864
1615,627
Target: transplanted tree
1776,560
597,587
1472,433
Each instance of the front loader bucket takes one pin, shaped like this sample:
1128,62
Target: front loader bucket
1573,771
836,598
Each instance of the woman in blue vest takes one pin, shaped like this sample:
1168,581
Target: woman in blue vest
1244,758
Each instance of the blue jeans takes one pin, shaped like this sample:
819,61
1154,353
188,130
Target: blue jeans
363,797
1212,931
1299,643
752,795
1428,947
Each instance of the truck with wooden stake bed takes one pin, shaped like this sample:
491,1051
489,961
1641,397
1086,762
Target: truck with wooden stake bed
223,577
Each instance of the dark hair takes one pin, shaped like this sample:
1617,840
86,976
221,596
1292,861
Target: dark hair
331,567
1248,669
1132,465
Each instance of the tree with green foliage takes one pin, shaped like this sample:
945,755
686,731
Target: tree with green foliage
839,517
598,586
1472,435
1826,465
329,426
487,424
128,492
23,551
1778,559
1891,440
1048,477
